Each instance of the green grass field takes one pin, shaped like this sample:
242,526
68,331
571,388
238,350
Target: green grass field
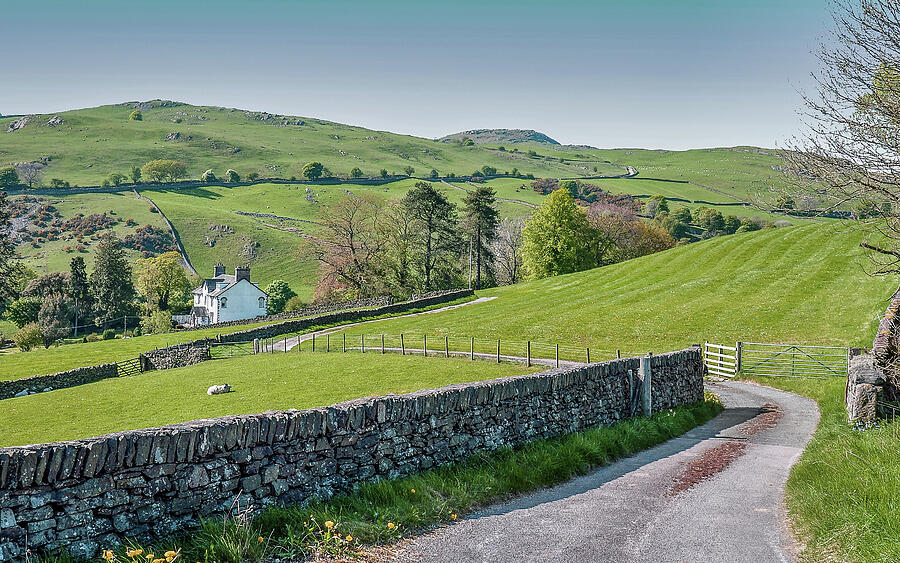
842,494
93,142
264,382
802,285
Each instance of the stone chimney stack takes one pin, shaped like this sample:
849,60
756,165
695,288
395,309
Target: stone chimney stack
242,274
219,270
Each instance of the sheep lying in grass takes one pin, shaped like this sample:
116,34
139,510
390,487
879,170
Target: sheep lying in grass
219,389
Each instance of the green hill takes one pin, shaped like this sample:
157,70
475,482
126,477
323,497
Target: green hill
88,144
801,285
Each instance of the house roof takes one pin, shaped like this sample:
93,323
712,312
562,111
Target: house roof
211,287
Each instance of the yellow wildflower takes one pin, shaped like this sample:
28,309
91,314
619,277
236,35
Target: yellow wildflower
171,553
149,556
412,490
349,537
260,539
391,526
329,524
453,516
160,560
134,553
108,554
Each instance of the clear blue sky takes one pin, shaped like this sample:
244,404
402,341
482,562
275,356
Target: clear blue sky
610,73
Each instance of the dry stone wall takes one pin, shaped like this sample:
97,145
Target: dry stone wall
88,494
71,378
177,356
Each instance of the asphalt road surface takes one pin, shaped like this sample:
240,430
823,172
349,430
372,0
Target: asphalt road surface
668,503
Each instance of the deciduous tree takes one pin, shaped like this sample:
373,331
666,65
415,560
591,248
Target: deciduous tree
507,251
161,280
279,293
55,318
312,170
163,170
9,178
557,238
29,172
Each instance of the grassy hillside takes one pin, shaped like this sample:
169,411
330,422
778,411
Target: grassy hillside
93,142
801,284
54,255
264,382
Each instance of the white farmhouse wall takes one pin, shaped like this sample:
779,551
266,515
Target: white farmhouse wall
243,303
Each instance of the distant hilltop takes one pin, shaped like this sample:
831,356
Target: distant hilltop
494,136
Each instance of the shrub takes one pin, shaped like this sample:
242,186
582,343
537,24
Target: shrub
384,173
294,304
136,115
209,176
279,292
158,323
409,170
356,173
116,179
57,183
92,338
23,311
28,337
232,177
433,174
109,334
253,176
8,177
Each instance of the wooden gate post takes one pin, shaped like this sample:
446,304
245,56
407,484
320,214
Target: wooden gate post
528,354
498,350
446,346
402,345
738,348
472,349
557,355
647,387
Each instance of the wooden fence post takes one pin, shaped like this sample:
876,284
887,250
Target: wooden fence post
588,355
362,343
618,354
343,342
738,349
313,342
425,345
285,343
446,346
498,350
528,354
557,355
402,345
327,343
382,344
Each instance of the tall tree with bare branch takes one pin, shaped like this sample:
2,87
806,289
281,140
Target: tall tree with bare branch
849,157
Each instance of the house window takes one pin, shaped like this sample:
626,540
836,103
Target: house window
223,302
262,302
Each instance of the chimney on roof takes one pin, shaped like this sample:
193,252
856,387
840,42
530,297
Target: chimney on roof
242,274
219,270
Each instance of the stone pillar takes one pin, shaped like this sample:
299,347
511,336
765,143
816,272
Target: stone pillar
865,386
647,387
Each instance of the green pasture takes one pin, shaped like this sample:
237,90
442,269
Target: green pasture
264,382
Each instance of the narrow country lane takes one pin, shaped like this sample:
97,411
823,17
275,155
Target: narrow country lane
679,501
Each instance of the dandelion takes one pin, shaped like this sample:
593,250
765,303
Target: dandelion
453,516
260,539
391,526
349,538
329,524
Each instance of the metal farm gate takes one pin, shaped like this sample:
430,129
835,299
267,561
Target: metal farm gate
790,360
777,360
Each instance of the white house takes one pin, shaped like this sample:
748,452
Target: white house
227,298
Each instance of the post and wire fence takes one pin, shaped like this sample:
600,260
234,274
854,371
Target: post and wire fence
426,345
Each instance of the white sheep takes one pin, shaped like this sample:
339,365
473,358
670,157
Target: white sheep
219,389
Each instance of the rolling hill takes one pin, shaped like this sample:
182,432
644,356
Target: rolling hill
500,136
84,146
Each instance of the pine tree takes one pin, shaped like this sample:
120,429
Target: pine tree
481,220
111,287
435,221
8,268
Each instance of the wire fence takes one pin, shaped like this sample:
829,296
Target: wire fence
434,345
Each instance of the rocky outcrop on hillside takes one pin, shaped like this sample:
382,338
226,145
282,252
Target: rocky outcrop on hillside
494,136
18,124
